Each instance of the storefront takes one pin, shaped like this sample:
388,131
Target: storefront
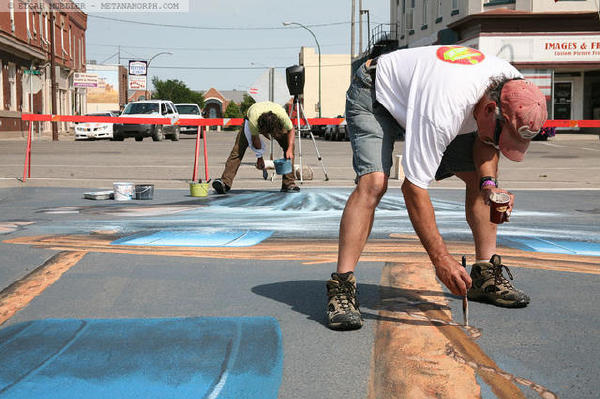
565,63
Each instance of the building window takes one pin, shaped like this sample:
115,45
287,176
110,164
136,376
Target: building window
410,26
454,8
499,2
438,10
1,85
12,81
62,37
70,34
11,7
425,16
29,36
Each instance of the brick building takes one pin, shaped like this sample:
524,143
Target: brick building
27,31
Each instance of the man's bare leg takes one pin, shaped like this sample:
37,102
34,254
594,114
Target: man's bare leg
487,287
357,219
343,312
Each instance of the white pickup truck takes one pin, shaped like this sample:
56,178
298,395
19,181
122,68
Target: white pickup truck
188,111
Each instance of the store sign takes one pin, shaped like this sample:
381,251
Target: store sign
85,80
571,48
543,48
138,68
137,83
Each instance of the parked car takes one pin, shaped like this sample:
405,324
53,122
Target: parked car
336,132
318,130
148,109
94,130
189,111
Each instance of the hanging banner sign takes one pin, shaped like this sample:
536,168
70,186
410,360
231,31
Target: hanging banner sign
138,68
85,80
137,83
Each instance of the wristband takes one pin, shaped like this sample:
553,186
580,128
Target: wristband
487,181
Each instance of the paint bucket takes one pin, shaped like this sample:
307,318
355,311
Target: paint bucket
199,189
124,191
144,191
283,166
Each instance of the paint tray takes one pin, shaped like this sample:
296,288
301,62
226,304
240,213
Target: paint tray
99,195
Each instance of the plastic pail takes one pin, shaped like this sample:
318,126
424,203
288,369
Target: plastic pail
144,191
199,189
283,166
124,191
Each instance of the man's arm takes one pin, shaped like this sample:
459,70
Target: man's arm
256,143
289,154
422,216
486,160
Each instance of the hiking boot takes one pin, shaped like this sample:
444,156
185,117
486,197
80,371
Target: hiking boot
342,308
489,285
291,189
220,187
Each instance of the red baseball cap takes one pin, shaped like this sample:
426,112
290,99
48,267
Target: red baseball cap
524,107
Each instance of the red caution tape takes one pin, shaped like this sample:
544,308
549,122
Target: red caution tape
234,121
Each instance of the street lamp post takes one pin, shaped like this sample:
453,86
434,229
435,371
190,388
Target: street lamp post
148,66
319,51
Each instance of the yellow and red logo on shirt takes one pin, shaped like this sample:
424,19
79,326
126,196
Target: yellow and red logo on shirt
460,55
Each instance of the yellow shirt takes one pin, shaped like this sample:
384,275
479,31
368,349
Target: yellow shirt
257,109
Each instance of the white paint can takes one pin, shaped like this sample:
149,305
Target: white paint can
124,191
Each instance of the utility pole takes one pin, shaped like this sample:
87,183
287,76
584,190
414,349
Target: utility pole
53,75
360,29
271,85
119,54
352,39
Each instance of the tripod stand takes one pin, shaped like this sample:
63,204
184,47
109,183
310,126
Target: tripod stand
297,105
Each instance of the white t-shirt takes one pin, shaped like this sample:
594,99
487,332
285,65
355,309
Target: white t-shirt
248,133
431,92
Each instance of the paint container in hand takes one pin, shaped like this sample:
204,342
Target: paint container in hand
199,189
283,166
144,191
124,191
498,207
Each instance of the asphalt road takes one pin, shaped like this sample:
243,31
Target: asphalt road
548,348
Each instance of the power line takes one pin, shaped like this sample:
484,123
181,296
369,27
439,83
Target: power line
240,68
212,27
208,48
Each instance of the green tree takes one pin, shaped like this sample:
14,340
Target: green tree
233,111
176,91
246,103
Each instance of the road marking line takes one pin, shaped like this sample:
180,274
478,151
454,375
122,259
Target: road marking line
20,293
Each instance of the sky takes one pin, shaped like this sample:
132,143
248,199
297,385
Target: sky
233,40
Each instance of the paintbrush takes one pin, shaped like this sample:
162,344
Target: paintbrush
465,304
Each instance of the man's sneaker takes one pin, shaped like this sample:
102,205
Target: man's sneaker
342,309
489,285
290,189
220,187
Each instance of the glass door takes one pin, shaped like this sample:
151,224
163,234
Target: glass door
563,95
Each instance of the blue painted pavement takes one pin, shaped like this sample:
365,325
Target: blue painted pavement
207,238
198,357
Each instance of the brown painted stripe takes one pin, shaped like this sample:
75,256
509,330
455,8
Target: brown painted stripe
314,252
20,293
410,357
